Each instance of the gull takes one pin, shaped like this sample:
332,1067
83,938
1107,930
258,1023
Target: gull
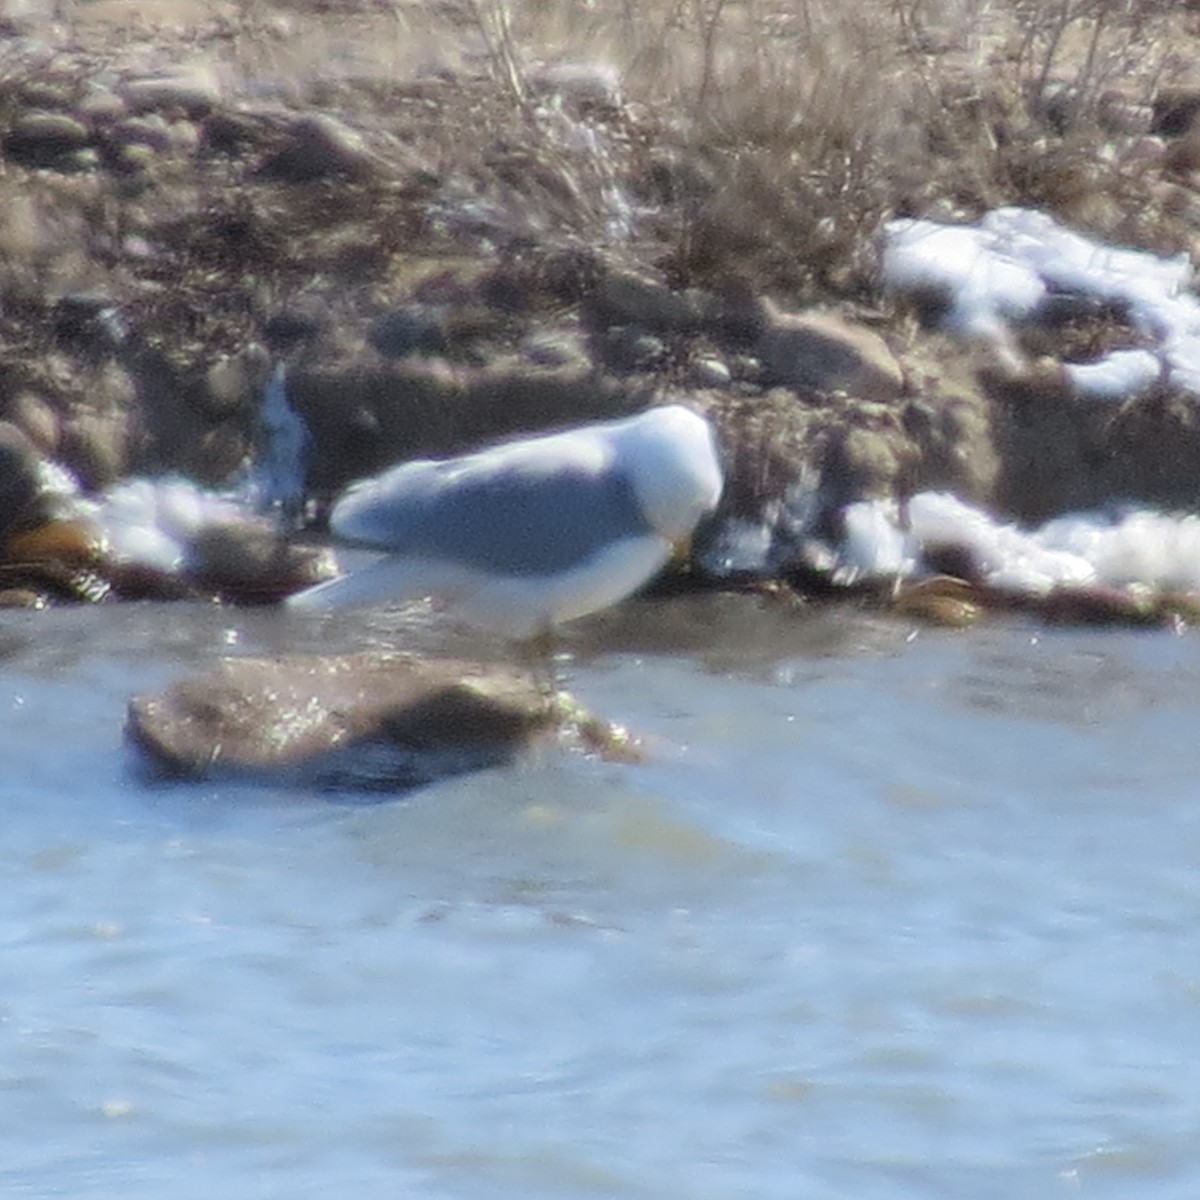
524,535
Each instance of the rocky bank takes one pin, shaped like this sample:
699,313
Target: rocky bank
467,236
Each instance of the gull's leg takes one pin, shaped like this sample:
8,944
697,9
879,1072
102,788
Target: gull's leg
538,654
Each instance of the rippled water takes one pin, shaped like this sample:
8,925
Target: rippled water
889,915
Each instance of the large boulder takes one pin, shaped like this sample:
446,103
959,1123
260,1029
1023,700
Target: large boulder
370,721
827,353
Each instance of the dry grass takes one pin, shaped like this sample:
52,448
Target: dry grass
771,139
761,143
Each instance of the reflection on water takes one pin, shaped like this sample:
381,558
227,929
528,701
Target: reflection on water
890,914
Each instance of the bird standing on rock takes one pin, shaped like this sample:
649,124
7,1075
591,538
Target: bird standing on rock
524,535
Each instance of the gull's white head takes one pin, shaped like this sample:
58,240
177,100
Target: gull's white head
673,466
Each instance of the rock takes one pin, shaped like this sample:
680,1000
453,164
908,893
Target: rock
252,563
373,721
35,417
185,137
133,161
19,17
233,133
626,298
151,130
78,161
45,139
69,543
1099,605
824,352
412,329
96,439
1123,113
364,419
292,328
553,348
1175,111
710,373
939,600
950,419
867,460
673,178
1181,157
583,87
234,383
99,105
319,147
25,501
46,91
745,368
46,549
21,597
89,324
627,348
195,95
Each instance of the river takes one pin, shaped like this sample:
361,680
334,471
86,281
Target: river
891,912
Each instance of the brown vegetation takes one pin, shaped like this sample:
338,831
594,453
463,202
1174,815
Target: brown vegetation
187,182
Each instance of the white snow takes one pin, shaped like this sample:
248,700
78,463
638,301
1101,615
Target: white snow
1137,546
1001,269
153,522
1119,375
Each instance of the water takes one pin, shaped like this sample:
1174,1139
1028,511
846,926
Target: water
890,914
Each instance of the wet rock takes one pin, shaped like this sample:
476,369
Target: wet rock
58,559
829,354
939,600
372,721
251,563
20,597
46,139
319,147
1100,605
76,543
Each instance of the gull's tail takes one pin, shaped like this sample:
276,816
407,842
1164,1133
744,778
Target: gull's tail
382,580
